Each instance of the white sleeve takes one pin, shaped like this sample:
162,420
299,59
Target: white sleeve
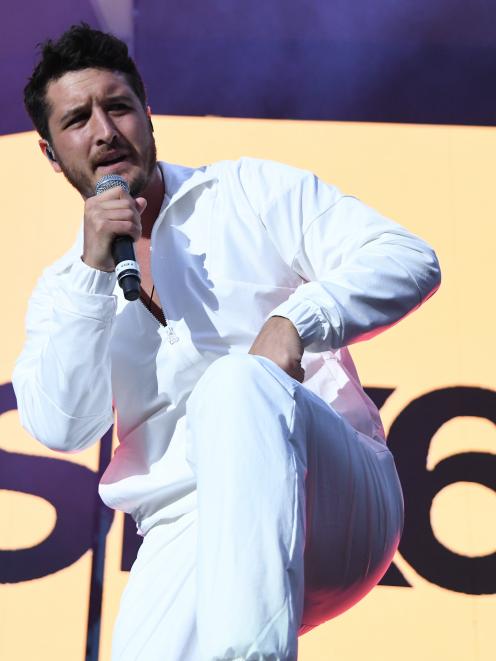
363,272
62,378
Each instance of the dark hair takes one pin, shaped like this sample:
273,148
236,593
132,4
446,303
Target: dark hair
80,47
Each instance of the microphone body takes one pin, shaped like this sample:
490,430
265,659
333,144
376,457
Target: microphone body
126,266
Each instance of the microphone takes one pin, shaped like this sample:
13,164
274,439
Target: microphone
126,266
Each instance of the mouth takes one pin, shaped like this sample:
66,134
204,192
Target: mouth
111,159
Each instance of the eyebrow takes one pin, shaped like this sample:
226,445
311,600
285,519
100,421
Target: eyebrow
71,113
108,100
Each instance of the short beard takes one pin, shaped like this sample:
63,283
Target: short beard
140,183
83,186
136,187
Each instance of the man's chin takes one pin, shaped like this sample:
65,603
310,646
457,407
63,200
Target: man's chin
122,169
135,177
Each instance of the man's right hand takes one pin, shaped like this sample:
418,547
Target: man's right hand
106,216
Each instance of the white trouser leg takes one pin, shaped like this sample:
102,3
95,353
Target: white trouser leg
298,517
257,440
250,481
156,620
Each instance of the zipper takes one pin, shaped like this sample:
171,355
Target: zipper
172,338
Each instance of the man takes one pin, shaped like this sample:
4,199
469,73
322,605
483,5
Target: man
267,506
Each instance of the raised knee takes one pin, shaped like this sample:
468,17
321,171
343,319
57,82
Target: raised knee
234,378
233,369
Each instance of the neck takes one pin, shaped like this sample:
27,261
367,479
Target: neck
154,195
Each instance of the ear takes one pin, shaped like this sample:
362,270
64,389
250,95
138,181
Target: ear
47,151
149,115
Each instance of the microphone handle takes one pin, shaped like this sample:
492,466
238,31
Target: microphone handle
126,267
122,249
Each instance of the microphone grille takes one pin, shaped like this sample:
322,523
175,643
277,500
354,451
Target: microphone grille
110,181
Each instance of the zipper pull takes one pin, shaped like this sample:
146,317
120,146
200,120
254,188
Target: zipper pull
171,336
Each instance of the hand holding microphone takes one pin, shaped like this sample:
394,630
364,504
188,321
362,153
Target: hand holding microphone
112,221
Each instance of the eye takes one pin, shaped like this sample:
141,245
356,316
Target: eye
76,119
118,107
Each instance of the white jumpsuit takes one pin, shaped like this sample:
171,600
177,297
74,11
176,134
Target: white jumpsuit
267,506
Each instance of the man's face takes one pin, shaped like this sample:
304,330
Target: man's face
98,126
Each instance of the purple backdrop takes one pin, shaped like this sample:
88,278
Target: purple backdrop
391,60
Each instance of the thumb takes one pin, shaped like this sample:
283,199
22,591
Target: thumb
141,204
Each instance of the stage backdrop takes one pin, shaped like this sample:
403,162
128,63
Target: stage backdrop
64,558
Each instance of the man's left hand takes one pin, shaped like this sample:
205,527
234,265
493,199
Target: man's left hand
279,341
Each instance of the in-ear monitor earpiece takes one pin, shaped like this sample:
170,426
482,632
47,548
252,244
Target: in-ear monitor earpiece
50,153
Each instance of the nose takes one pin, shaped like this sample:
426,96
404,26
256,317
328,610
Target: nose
104,128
